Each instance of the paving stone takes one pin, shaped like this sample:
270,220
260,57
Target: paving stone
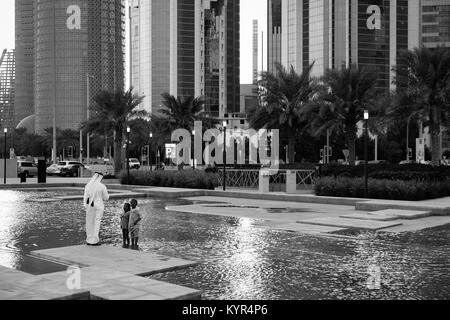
350,223
113,285
368,216
436,208
403,214
117,259
305,228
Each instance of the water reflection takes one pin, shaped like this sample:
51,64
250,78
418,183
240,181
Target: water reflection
240,261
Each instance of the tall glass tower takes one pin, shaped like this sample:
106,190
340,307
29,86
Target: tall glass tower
187,48
75,43
7,89
25,31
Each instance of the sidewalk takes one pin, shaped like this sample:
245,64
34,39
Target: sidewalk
14,183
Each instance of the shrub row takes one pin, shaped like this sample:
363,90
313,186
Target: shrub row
388,171
408,175
172,179
382,189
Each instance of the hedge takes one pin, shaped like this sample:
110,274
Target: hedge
172,179
388,171
382,189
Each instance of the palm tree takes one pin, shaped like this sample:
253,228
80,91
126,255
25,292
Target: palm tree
339,105
182,113
423,85
112,112
284,93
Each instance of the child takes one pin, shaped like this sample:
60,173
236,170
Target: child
134,224
124,222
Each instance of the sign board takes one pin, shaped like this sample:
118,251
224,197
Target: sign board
12,153
171,151
420,150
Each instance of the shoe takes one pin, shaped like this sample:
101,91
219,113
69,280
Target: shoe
96,245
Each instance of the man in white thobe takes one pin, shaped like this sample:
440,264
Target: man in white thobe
95,193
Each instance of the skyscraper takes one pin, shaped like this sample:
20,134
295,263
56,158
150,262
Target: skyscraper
273,34
435,23
71,44
255,51
187,48
332,34
25,31
7,89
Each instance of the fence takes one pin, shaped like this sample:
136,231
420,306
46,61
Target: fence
249,179
240,179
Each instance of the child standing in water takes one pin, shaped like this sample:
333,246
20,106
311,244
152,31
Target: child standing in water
124,224
134,224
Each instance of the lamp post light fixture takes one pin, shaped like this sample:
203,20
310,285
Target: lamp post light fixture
366,146
88,99
225,155
149,151
128,155
4,157
193,150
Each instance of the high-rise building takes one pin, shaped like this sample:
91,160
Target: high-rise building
24,42
187,48
69,48
273,34
436,23
255,51
7,89
334,33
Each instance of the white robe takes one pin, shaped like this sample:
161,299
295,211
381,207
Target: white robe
94,196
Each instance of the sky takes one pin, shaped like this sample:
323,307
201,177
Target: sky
250,9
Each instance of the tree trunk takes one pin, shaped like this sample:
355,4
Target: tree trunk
351,138
291,143
117,155
436,147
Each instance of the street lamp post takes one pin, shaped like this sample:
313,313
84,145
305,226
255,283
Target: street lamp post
407,137
149,151
225,155
366,143
4,157
88,100
128,155
193,149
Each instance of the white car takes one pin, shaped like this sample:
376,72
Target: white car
134,163
55,169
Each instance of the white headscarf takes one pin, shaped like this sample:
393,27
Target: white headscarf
91,188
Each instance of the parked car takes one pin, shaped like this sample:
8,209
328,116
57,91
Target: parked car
135,164
28,167
53,170
71,169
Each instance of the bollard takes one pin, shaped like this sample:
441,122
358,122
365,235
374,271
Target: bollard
291,182
23,177
264,181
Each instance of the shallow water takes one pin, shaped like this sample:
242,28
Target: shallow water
240,260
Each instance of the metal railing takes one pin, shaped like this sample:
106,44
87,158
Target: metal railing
249,179
240,179
306,179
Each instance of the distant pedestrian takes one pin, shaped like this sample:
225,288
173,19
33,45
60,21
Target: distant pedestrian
134,224
124,224
95,193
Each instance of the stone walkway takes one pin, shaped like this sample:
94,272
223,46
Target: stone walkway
116,259
313,218
106,273
18,285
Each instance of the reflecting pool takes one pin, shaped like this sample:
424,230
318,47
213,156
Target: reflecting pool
240,260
